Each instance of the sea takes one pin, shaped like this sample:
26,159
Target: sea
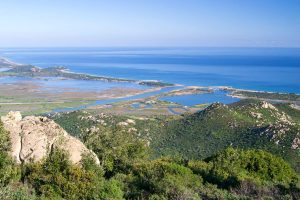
261,69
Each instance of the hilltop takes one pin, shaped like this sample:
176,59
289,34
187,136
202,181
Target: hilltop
245,124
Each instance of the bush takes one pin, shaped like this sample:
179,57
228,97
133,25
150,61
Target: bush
8,169
4,139
252,173
164,179
57,177
116,149
19,192
232,166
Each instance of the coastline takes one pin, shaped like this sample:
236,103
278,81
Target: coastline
27,70
263,95
116,94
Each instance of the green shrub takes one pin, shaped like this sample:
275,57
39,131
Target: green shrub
57,177
19,192
165,179
116,149
4,139
8,169
250,173
233,165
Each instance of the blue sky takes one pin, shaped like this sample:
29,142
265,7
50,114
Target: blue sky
149,23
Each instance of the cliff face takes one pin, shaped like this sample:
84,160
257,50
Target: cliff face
33,138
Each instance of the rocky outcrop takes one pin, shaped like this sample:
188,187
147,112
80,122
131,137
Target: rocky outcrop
33,138
267,105
296,143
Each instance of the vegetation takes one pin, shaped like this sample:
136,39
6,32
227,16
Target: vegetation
117,150
217,153
30,107
8,170
246,124
57,178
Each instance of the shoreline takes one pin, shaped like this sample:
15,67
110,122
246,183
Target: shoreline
123,94
28,70
263,95
229,88
154,83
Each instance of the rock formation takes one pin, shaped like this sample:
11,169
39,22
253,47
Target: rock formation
33,138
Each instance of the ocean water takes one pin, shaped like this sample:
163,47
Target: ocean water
267,69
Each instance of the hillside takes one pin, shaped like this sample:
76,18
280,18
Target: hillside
199,163
245,124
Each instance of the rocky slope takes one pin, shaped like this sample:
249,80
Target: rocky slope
33,138
245,124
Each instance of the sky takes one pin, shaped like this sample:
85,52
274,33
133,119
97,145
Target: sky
226,23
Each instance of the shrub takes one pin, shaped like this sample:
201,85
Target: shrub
19,192
232,166
116,149
250,173
57,177
8,169
165,179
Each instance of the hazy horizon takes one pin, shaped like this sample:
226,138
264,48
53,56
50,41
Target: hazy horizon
134,23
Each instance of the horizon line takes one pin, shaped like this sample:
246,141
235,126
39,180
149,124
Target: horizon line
149,46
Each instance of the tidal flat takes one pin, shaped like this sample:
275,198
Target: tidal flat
39,90
42,95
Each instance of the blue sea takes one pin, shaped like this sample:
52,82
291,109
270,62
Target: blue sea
265,69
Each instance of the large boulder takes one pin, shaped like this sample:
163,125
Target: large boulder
33,138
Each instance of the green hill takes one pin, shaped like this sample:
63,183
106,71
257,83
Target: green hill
208,168
246,124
